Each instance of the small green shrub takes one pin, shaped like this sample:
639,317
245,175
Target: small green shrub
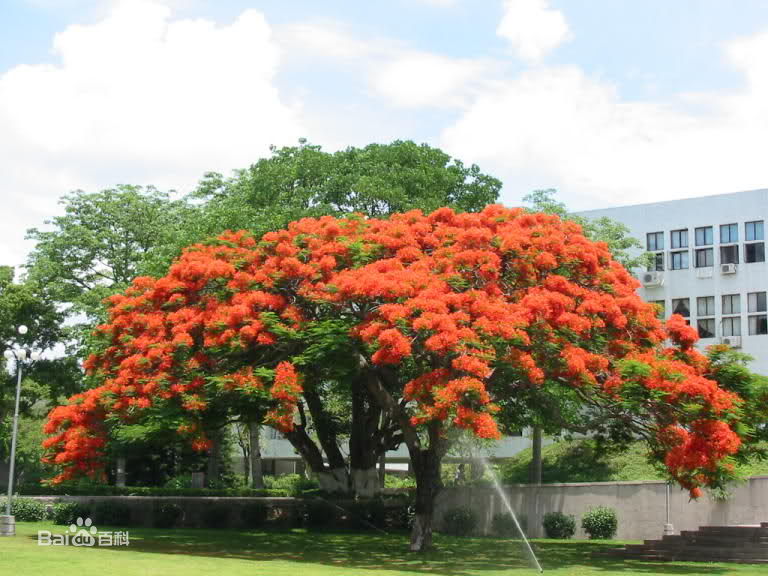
461,521
600,523
319,513
167,515
65,513
254,515
399,482
25,509
503,525
111,513
559,525
290,484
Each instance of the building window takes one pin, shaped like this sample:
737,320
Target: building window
731,304
756,302
655,241
754,231
729,233
661,309
704,236
758,323
679,260
679,239
705,306
706,327
705,257
681,306
729,254
754,252
657,262
731,326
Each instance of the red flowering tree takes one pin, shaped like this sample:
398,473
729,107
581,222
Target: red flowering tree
441,321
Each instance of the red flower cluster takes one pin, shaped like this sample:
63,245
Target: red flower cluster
451,298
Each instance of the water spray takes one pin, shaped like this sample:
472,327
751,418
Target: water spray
508,506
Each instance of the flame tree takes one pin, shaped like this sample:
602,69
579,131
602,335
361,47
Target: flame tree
444,320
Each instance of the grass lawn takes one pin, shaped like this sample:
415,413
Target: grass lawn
299,553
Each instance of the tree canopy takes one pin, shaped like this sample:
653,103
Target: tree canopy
443,320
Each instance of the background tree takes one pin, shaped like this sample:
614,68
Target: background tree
442,319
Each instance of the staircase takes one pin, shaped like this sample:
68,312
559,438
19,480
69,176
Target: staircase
746,544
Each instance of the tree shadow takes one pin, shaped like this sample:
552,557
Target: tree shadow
451,556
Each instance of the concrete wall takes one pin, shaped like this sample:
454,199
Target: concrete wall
640,506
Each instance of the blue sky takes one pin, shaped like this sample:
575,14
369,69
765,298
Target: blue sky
610,101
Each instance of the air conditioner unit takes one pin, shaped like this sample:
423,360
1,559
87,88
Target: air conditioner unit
732,341
651,279
727,268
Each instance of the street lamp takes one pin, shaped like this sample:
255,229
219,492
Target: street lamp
19,355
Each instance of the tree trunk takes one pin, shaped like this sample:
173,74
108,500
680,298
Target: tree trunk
426,465
335,478
332,480
382,471
254,440
364,442
534,473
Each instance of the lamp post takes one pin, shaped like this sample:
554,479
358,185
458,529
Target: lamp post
19,355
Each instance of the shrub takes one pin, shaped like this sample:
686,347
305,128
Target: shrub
400,517
559,525
319,513
216,516
25,509
503,525
65,513
111,513
167,515
399,482
460,521
254,514
290,484
600,523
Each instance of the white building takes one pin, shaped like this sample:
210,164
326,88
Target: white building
709,264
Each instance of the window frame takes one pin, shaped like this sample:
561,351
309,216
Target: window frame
680,254
681,235
730,228
711,259
704,230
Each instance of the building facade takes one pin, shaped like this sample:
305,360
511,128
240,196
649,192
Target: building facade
707,264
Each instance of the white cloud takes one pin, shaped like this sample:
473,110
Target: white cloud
532,28
559,127
137,97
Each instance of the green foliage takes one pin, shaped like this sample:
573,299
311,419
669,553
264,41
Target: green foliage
86,489
559,525
503,525
399,482
600,523
215,516
290,484
581,460
25,509
66,513
460,521
254,514
111,513
167,515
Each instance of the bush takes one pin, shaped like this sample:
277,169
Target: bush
254,515
65,513
319,513
399,482
110,513
460,521
503,525
559,525
600,523
25,509
400,517
290,484
167,515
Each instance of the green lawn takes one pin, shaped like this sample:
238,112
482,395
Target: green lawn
299,553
